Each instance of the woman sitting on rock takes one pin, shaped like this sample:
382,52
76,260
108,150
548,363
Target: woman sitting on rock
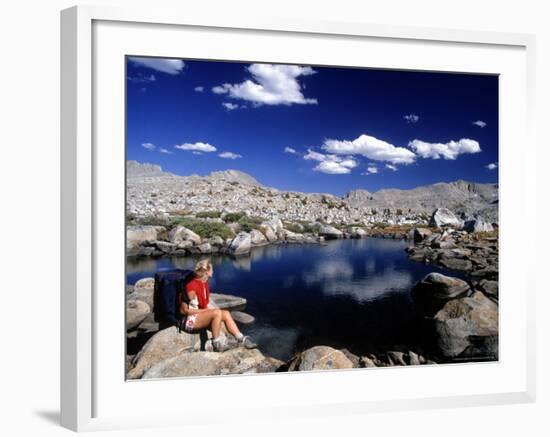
198,315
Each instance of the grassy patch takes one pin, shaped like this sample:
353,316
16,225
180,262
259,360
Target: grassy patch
208,214
203,228
393,228
152,220
248,223
233,217
484,234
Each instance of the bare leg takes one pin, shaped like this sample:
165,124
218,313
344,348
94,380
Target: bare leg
230,323
211,318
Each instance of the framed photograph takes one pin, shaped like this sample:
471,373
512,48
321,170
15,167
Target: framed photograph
315,217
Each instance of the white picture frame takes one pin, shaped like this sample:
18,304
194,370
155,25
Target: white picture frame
92,385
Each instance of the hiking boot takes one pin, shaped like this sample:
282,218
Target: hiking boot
247,343
220,346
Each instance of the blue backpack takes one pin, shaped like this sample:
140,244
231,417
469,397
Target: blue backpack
169,292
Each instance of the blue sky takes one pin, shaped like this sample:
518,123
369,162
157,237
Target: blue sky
313,128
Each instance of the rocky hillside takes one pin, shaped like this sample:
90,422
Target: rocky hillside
139,172
233,176
136,170
463,198
154,192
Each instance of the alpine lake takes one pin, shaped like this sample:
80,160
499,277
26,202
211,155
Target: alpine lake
350,293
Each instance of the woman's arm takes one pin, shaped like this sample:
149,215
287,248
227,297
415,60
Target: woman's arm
192,308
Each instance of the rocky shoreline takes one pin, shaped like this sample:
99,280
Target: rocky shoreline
470,247
476,255
179,240
237,234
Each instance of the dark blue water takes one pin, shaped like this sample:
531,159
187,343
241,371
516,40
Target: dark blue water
347,293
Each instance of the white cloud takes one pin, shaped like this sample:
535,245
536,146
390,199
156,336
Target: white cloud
199,89
333,167
492,166
163,150
480,123
196,153
449,150
229,106
169,66
316,156
331,164
229,155
270,85
372,148
197,147
291,150
411,118
148,146
391,167
142,78
371,169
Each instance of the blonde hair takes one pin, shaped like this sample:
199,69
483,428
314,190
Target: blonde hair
202,267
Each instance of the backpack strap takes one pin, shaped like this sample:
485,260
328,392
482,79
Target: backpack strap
179,298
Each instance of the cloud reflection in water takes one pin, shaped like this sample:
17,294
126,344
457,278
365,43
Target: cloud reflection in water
338,278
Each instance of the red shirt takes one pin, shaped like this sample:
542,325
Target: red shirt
201,290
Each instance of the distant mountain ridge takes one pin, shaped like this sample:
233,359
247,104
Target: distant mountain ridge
234,176
460,196
135,169
238,190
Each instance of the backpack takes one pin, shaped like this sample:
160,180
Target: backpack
169,292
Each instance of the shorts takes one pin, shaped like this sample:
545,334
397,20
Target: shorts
189,322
